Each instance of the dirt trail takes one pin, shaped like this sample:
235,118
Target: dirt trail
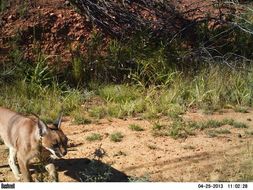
139,154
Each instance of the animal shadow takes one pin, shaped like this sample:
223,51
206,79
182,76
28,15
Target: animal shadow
86,170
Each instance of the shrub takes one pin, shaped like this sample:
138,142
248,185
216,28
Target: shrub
94,137
116,137
135,127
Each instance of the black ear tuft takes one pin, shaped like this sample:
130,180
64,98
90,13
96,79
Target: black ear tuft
58,121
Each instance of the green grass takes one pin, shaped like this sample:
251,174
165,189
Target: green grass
119,93
180,129
121,101
206,124
159,130
98,112
4,5
135,127
240,125
96,171
217,124
35,88
79,117
241,109
211,124
209,90
94,137
234,123
44,101
116,137
215,133
223,131
152,85
81,120
177,129
157,126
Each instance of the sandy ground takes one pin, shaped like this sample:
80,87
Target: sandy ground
143,156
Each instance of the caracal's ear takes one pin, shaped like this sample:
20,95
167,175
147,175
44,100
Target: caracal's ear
58,121
42,128
41,125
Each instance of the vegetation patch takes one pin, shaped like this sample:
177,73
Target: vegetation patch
79,118
94,137
241,109
158,127
240,125
180,129
159,130
116,137
215,133
119,93
97,112
96,171
145,178
217,124
135,127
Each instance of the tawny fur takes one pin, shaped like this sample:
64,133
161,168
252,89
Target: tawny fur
25,137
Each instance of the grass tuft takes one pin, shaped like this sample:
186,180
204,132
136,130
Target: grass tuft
180,129
241,109
79,118
94,137
135,127
240,125
215,133
157,126
217,124
98,112
116,137
96,171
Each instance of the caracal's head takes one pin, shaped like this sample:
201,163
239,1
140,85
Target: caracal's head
53,138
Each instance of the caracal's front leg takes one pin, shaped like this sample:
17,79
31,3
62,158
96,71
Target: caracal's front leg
53,175
24,169
12,163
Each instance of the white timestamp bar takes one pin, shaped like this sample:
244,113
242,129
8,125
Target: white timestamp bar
128,186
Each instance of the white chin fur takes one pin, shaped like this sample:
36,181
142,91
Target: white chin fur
52,152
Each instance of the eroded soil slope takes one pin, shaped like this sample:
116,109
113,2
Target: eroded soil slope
51,27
